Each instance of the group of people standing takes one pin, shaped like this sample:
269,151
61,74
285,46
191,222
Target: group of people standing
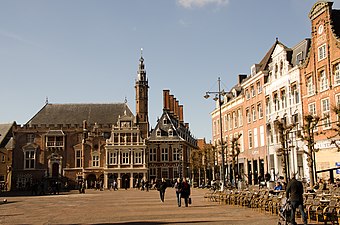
182,189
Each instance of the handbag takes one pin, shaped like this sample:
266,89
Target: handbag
189,201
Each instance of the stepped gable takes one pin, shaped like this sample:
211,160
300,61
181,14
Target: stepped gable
75,114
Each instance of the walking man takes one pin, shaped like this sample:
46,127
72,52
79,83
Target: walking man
178,188
294,193
185,193
161,188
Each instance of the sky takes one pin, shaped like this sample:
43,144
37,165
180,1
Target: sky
87,51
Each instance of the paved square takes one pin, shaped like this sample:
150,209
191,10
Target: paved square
124,207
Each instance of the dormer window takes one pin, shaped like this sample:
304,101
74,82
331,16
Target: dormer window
166,121
171,133
158,133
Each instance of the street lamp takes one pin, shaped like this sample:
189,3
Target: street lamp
218,97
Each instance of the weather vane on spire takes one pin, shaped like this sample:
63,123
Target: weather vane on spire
141,52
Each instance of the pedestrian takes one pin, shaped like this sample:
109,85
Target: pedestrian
115,188
147,185
294,193
185,193
178,188
161,188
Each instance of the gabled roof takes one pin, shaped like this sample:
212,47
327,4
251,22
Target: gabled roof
5,135
102,114
267,58
180,131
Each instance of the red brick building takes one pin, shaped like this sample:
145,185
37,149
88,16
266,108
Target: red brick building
320,77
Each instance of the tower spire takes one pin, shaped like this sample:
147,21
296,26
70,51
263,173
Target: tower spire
142,98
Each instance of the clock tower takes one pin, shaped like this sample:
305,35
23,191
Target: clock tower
142,99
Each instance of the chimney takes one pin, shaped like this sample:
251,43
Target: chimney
176,108
186,125
166,99
171,103
241,77
180,109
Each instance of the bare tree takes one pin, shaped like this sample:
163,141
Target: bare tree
283,129
311,123
335,137
234,152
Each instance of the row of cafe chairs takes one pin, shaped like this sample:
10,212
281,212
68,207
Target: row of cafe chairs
320,206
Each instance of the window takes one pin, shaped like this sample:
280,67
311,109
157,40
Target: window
260,111
248,115
175,154
276,71
247,94
326,113
158,132
281,68
322,52
310,86
276,102
283,99
95,160
336,70
337,100
153,172
165,173
256,144
215,129
298,58
312,111
235,120
78,158
252,91
164,155
229,122
295,93
138,157
29,157
268,106
239,114
225,122
259,87
153,154
253,112
113,158
175,172
171,133
125,158
323,81
30,138
250,139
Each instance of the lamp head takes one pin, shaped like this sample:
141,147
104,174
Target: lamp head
206,96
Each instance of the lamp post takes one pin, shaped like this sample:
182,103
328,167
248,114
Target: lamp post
218,97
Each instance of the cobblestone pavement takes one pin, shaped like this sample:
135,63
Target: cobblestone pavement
124,207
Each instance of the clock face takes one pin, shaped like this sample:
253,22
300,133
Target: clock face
320,29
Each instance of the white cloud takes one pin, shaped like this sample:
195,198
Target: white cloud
201,3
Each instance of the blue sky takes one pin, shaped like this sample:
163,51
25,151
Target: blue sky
87,51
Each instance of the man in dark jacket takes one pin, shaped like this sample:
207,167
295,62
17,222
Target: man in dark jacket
294,193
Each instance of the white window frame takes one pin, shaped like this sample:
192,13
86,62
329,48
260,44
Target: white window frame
95,160
260,110
113,158
253,113
125,157
78,158
322,52
29,159
153,155
239,114
336,69
250,139
235,120
325,107
323,81
310,86
256,142
175,154
164,154
138,157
